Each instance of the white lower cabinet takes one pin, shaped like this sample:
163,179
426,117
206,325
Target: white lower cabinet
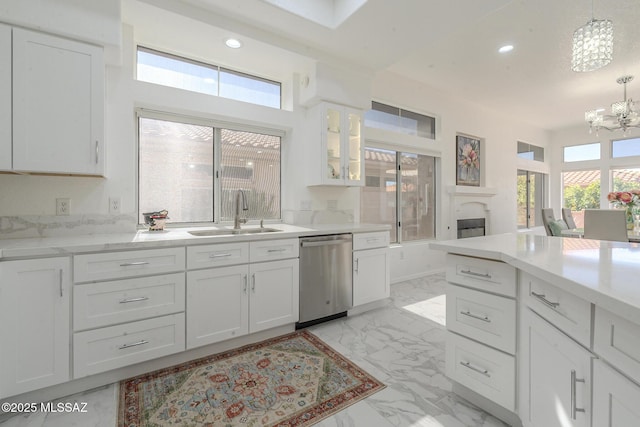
555,376
34,324
487,371
228,302
371,275
217,305
371,267
104,349
616,399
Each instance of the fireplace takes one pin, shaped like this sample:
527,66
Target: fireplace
471,227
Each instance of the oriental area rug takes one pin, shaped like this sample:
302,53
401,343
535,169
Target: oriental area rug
292,380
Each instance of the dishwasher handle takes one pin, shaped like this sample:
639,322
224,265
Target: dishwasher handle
309,244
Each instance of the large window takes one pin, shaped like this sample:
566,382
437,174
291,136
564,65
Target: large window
179,171
382,116
400,191
581,190
183,73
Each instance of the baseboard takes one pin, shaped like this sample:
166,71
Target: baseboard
417,275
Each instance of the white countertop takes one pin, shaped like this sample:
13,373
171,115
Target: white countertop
604,273
48,246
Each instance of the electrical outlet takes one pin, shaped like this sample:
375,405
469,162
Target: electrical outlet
63,206
114,205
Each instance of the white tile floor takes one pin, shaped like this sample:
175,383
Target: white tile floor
402,345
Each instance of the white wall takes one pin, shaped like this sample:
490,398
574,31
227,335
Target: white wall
35,195
499,151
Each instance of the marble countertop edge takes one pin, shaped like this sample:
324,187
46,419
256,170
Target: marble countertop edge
144,239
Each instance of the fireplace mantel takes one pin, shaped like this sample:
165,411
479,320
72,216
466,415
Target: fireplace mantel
464,190
470,202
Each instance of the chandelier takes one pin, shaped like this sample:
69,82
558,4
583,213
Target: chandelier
592,45
623,113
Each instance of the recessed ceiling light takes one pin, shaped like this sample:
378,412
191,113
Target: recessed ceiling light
233,43
505,48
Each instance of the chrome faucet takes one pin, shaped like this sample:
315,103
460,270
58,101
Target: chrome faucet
245,207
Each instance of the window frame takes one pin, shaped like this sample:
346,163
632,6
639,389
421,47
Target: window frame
216,68
217,126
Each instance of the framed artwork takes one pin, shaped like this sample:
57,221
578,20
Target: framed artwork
467,161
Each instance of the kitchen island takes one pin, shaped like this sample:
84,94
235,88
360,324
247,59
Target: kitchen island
544,331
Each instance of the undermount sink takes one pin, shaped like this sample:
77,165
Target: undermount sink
218,232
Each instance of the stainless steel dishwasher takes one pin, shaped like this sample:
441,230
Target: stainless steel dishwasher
326,280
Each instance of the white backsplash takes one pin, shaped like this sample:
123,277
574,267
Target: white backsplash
317,217
28,226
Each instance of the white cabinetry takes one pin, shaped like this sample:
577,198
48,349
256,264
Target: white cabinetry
5,97
481,318
615,398
338,158
371,272
231,301
121,318
58,105
555,376
34,324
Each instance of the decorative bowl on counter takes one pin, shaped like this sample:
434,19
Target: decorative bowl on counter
156,220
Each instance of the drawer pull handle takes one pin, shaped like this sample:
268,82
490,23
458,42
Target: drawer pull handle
276,250
128,264
473,273
473,368
219,255
475,316
135,344
372,239
542,298
125,301
574,380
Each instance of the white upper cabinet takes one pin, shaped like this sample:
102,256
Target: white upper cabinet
339,157
58,105
5,97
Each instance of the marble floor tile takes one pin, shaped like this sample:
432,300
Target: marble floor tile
402,344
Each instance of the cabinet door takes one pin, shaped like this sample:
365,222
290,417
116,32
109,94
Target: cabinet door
274,294
217,305
615,398
333,142
371,275
5,97
58,104
34,324
354,149
555,376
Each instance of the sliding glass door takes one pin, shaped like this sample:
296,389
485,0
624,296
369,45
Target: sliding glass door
531,187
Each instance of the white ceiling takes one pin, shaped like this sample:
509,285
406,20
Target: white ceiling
452,46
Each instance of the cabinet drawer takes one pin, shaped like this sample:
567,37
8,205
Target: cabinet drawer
116,265
378,239
107,303
101,350
616,341
274,249
484,370
484,317
565,311
217,255
483,274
